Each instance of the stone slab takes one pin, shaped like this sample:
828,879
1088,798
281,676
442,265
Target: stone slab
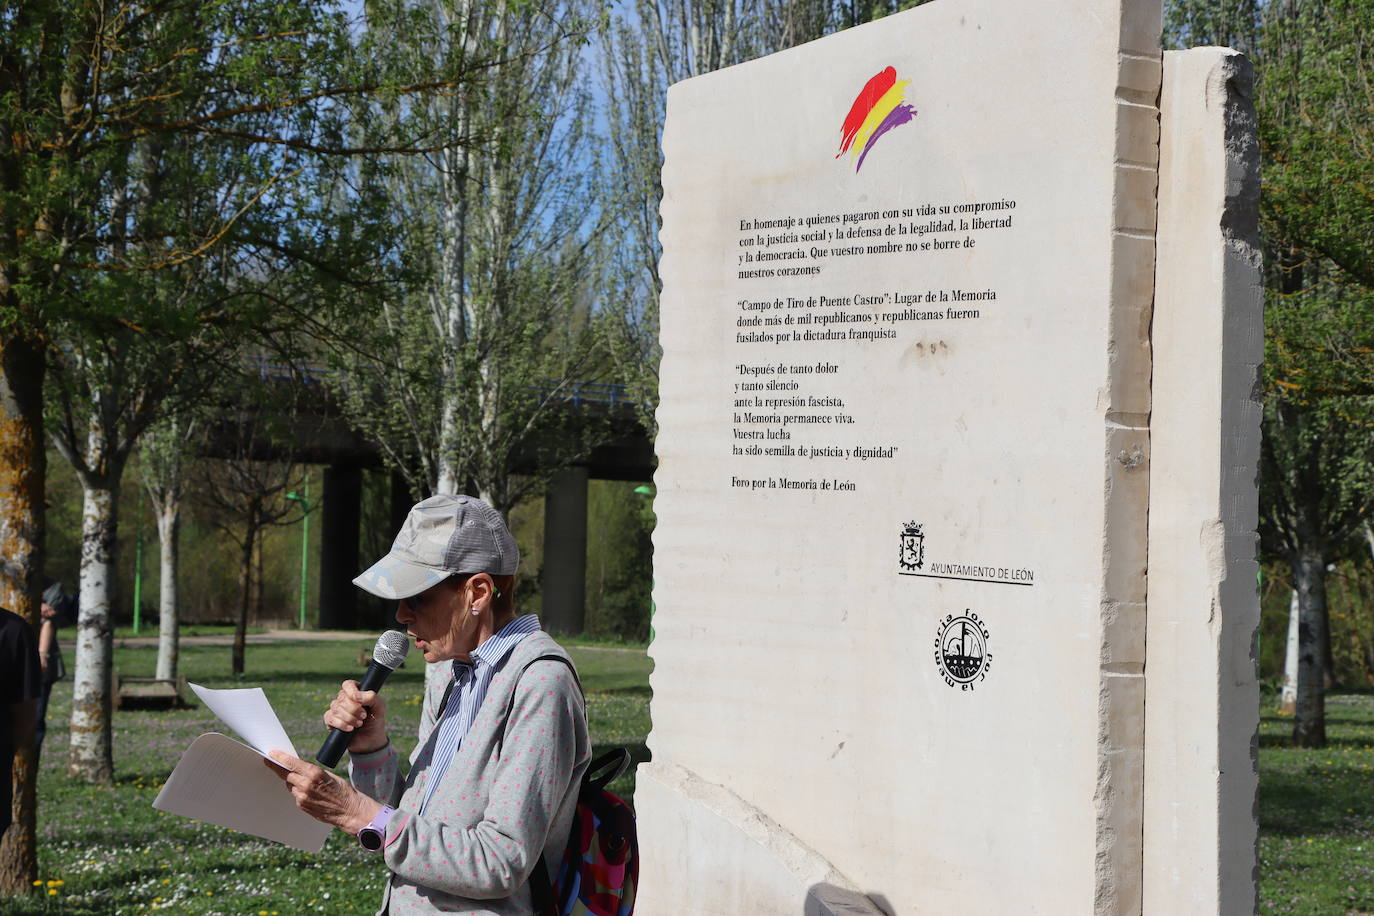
904,466
1202,694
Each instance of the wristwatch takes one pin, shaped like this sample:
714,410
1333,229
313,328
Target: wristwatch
374,834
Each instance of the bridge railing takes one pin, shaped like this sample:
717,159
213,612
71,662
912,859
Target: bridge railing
580,394
574,394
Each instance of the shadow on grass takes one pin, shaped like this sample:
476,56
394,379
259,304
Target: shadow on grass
630,691
1315,800
313,678
1331,721
1285,742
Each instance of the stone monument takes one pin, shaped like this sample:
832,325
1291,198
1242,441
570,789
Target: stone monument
948,620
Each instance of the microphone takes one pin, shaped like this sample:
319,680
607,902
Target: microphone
387,656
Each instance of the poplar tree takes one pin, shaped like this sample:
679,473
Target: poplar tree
1317,133
475,351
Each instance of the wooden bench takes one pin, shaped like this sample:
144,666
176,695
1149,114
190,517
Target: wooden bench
149,692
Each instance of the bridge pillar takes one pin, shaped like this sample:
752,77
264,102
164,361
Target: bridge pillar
401,502
343,491
565,552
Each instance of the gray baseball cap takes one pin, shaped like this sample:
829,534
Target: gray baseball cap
442,536
52,593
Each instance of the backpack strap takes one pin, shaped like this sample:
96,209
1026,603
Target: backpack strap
541,890
599,773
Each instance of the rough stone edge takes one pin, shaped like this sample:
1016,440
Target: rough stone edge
1231,84
1241,765
1228,541
666,494
1118,874
829,892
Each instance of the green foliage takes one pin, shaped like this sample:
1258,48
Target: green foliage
1316,127
620,524
105,850
619,561
209,564
1320,333
1316,110
1317,474
1216,23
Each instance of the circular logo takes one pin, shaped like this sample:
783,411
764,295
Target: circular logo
961,650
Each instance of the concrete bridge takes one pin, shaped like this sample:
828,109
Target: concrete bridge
321,436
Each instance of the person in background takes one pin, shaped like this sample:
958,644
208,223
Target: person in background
20,686
58,610
494,780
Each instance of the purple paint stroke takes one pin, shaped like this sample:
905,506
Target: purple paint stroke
900,115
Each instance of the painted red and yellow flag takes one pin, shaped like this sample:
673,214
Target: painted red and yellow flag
879,107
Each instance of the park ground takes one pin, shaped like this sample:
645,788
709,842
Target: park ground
105,851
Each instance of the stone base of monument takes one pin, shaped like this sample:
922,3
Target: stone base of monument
726,840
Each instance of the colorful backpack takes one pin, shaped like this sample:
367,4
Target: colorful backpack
600,866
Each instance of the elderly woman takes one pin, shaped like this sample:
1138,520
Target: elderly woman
493,782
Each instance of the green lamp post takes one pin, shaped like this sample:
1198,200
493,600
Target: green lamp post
304,499
138,571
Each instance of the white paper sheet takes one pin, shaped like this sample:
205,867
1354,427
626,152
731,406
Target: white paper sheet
223,782
248,713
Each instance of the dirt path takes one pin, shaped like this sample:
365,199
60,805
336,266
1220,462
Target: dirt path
268,636
363,639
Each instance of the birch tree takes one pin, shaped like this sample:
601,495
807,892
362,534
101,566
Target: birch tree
105,394
166,452
1317,487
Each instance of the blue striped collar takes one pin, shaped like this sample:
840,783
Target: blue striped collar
494,650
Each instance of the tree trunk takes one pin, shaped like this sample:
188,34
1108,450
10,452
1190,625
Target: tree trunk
452,319
1329,681
245,593
92,757
169,620
1288,696
22,471
1309,575
256,607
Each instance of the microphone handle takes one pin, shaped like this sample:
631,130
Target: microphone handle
337,741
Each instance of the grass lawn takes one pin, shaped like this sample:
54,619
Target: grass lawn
149,631
1317,813
108,851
